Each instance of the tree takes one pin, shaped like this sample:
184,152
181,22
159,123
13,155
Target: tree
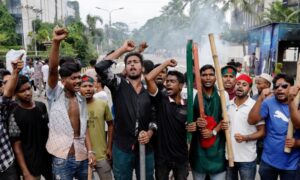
7,27
91,21
279,13
238,7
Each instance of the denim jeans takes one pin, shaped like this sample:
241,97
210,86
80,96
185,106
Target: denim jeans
246,170
218,176
67,169
298,171
124,163
271,173
163,168
9,174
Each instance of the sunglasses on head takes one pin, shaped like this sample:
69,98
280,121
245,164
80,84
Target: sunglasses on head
284,86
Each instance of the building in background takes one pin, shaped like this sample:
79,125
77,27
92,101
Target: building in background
26,11
250,20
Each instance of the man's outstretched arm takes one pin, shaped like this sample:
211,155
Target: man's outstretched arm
59,34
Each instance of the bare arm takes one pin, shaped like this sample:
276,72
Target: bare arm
254,116
260,133
126,47
88,144
251,137
21,161
293,107
151,86
58,35
12,82
110,139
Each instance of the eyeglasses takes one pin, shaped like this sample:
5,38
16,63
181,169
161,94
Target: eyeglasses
284,86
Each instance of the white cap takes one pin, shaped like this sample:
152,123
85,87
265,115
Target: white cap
267,77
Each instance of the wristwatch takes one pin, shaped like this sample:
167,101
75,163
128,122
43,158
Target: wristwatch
214,132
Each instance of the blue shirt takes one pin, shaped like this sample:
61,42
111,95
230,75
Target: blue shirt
277,116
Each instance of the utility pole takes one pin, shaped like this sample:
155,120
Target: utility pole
109,23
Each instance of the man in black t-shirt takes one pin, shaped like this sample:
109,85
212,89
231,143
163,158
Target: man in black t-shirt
28,130
171,151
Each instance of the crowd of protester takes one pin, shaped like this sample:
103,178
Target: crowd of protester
80,129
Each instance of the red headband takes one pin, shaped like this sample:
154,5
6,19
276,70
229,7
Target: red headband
244,77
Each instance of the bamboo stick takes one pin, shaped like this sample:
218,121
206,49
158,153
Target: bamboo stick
290,132
222,95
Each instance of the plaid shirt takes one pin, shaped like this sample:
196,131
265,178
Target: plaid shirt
6,152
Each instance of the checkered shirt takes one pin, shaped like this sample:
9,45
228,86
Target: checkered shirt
6,152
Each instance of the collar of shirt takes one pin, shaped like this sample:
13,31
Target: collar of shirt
246,103
173,101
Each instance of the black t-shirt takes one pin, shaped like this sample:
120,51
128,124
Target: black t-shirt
133,111
130,108
171,134
30,126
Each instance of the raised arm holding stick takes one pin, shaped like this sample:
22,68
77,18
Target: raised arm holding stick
296,102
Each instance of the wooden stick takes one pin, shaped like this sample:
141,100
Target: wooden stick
198,80
90,172
290,132
222,95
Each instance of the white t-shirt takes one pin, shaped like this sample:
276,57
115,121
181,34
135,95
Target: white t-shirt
101,95
238,117
45,71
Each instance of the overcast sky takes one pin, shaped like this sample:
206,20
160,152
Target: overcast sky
135,12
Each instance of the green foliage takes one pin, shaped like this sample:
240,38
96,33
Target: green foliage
279,13
67,50
8,34
235,36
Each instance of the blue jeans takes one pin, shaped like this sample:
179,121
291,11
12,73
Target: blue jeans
124,163
298,172
246,170
217,176
163,168
67,169
271,173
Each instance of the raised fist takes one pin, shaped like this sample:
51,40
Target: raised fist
128,46
59,34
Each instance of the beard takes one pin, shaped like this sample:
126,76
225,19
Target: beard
134,77
241,94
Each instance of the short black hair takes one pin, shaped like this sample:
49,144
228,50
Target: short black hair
284,76
68,68
179,75
139,55
99,80
4,72
148,66
46,61
21,80
205,67
66,60
93,62
2,65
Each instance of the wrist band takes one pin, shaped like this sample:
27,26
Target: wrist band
92,152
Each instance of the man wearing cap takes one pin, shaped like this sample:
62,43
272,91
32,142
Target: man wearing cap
243,136
229,75
263,81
